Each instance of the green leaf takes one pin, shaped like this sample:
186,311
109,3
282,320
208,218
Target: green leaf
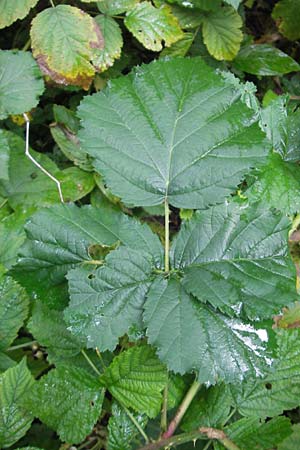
234,3
21,82
113,42
151,25
107,302
6,362
136,379
276,185
14,307
250,433
287,15
222,349
4,156
222,33
60,238
291,442
179,48
235,257
65,41
56,398
12,236
12,10
275,393
14,419
264,60
121,429
49,329
206,5
186,136
113,7
29,186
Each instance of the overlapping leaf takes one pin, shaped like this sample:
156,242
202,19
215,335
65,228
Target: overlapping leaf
113,7
113,42
171,129
12,10
287,13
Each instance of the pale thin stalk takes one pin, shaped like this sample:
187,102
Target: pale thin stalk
100,358
52,3
37,164
182,409
91,363
135,423
26,344
4,202
207,445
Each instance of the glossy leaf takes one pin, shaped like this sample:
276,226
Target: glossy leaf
65,41
236,258
113,42
291,442
264,60
113,7
56,397
12,10
4,156
222,33
151,25
172,129
136,378
105,303
21,82
287,14
14,306
14,419
223,349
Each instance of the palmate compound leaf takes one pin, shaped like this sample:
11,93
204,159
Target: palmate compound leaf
105,303
12,10
137,378
235,257
65,41
172,129
21,82
67,399
14,419
61,237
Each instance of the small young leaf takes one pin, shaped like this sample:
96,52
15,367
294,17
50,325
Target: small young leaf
69,400
107,302
151,25
222,33
21,82
14,419
287,13
65,41
136,378
113,42
12,10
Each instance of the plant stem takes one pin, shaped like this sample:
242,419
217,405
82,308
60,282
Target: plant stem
101,359
91,363
16,347
4,202
52,4
182,409
27,45
135,423
207,445
164,411
167,237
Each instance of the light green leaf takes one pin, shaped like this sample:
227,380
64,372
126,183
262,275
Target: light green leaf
49,329
113,42
56,397
28,186
14,307
6,362
291,442
151,25
14,419
21,82
136,379
275,393
287,15
250,433
4,156
179,48
222,33
234,3
121,429
236,258
65,40
264,60
172,129
12,236
12,10
276,185
60,238
190,336
113,7
105,303
206,5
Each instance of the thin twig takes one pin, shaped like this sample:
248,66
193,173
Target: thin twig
37,164
26,344
91,363
135,422
52,4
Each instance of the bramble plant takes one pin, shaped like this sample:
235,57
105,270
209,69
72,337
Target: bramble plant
147,288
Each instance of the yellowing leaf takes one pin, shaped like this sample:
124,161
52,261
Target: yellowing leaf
287,15
222,33
151,25
11,10
113,42
65,41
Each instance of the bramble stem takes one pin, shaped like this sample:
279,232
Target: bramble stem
182,409
167,237
164,411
